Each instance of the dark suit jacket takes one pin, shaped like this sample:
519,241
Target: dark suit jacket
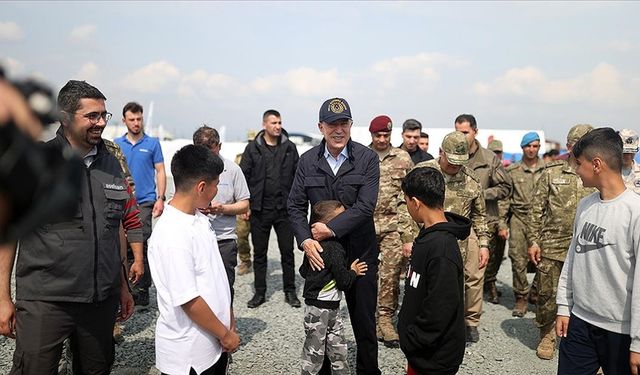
355,185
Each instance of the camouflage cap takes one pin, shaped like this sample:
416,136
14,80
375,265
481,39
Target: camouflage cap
576,132
629,141
251,135
495,145
456,148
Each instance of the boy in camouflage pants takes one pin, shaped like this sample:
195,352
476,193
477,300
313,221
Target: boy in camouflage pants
322,294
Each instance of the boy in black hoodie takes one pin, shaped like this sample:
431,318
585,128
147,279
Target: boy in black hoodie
431,322
322,294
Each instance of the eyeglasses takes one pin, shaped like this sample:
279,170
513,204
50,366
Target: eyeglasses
94,117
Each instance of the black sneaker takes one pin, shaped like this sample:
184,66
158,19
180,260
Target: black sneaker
292,299
141,299
472,334
257,300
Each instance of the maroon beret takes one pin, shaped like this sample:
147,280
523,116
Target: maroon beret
380,124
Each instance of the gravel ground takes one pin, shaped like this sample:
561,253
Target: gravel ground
272,335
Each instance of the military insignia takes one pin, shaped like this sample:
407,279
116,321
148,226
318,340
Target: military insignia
629,140
337,106
560,181
389,126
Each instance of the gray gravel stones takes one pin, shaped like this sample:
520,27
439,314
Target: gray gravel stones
272,335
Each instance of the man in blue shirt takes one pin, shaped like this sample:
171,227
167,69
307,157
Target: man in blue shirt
145,160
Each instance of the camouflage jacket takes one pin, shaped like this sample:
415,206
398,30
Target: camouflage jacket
131,219
523,182
114,149
553,208
391,213
494,180
633,179
464,196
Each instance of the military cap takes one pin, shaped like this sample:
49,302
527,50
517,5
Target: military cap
629,141
335,109
495,145
576,132
456,148
528,138
380,124
251,135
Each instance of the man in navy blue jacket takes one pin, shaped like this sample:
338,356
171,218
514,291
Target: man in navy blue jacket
341,169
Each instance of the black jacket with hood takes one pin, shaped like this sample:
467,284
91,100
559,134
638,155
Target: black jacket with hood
431,321
254,169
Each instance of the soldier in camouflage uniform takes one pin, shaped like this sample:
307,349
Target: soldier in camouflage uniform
553,208
524,175
497,185
243,228
463,194
393,225
630,169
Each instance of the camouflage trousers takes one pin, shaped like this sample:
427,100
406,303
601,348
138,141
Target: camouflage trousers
549,273
323,335
392,264
496,253
518,255
243,228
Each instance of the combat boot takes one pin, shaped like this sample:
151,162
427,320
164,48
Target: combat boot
494,295
520,307
244,268
547,345
390,337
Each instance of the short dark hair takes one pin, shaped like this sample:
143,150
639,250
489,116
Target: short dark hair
426,184
411,124
270,112
323,211
424,135
604,143
467,118
191,164
70,95
132,107
206,136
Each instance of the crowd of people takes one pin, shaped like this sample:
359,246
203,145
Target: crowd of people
365,216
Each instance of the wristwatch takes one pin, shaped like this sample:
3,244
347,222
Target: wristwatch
162,197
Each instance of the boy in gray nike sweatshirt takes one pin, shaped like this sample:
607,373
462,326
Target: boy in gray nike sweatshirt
598,311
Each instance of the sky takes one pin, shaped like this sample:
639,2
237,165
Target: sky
514,65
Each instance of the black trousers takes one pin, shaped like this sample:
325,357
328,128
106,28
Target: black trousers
229,252
42,328
587,347
146,210
261,224
218,368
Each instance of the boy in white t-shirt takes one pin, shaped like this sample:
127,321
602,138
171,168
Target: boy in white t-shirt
196,326
598,306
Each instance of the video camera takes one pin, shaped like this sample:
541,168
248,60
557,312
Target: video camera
37,183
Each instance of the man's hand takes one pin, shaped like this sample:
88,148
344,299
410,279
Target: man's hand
503,234
7,319
158,207
230,341
634,362
136,271
406,249
562,325
534,254
215,208
360,268
126,305
312,250
320,231
483,258
246,216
